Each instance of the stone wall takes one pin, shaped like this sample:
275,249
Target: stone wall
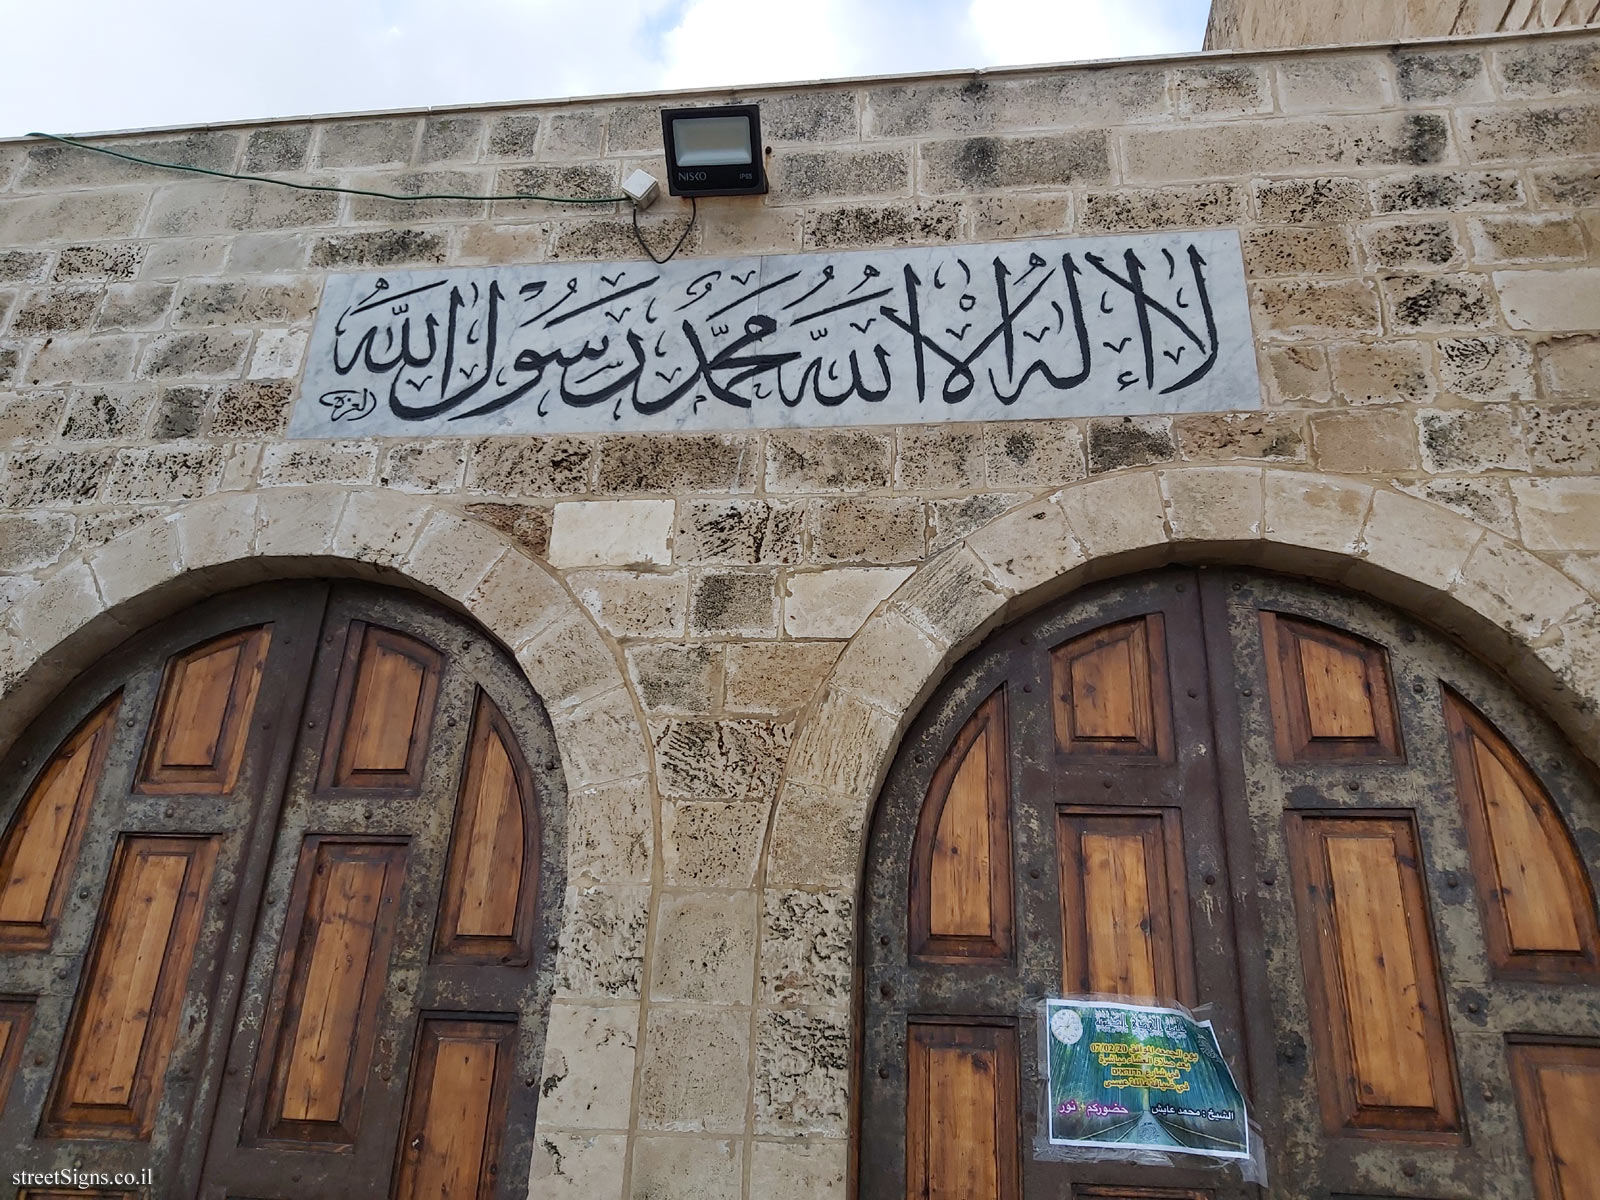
1260,24
731,629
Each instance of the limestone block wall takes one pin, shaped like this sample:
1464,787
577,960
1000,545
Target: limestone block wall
1258,24
731,629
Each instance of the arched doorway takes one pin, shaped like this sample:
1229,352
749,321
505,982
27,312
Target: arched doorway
1351,840
278,898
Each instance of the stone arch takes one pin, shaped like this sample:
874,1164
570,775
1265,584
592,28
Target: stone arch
1508,606
84,606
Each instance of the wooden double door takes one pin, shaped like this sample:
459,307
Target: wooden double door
1349,841
277,893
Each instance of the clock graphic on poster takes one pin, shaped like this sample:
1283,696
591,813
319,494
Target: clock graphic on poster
1066,1026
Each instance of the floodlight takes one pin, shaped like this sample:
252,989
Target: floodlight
714,151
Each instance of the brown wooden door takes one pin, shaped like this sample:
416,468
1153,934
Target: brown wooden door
1340,833
276,914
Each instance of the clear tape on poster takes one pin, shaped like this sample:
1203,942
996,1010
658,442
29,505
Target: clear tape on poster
1174,1108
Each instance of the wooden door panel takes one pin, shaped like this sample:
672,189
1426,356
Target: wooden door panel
383,710
1538,904
1111,692
961,1114
1558,1097
1384,1058
1124,906
15,1017
202,719
961,891
455,1112
322,1020
486,910
1331,693
114,1058
41,847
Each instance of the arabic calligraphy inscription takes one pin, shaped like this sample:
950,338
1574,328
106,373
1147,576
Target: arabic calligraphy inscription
1070,327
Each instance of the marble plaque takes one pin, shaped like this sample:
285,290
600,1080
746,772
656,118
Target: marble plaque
1153,323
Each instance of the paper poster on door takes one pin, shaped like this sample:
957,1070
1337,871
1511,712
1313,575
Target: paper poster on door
1133,1077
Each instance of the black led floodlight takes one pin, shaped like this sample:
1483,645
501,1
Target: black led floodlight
714,151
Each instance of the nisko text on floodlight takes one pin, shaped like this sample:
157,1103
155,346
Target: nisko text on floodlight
714,151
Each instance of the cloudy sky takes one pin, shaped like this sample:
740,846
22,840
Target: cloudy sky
120,64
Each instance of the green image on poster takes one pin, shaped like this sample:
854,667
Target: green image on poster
1126,1076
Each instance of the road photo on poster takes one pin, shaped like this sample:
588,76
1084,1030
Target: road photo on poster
1133,1077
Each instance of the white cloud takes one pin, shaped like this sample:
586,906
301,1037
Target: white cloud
1042,31
108,64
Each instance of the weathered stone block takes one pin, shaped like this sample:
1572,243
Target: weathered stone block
1486,368
574,133
869,530
1213,504
1538,69
952,596
55,310
1310,201
1564,438
705,948
75,359
991,163
775,677
798,1170
738,531
529,466
679,1168
1577,185
730,760
1516,239
609,833
711,843
1558,514
869,226
1485,438
1287,144
162,474
381,248
696,1073
1445,191
802,1070
366,143
1334,84
199,208
528,525
602,942
1194,206
1094,99
514,135
1359,443
1034,453
447,138
1314,513
683,680
817,838
587,1050
1551,300
1439,302
1316,308
888,661
1297,250
939,456
290,463
1215,437
835,602
633,604
103,263
800,175
1019,215
1411,244
135,307
734,603
1486,502
420,183
594,533
577,1166
1029,548
827,460
196,355
423,467
1296,375
56,166
277,148
107,414
1118,442
1391,372
1550,131
1442,75
23,266
29,541
806,942
681,463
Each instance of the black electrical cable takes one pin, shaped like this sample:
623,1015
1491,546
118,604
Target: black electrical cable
694,211
322,187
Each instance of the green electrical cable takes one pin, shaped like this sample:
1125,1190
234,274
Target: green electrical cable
321,187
